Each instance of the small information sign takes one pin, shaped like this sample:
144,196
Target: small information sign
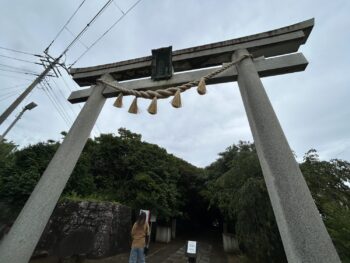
191,249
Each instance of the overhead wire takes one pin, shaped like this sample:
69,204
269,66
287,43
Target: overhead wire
70,90
60,101
48,94
13,87
56,100
66,84
17,77
18,59
118,7
54,95
61,93
71,17
105,33
44,84
17,68
54,105
81,42
87,26
20,72
14,90
10,95
18,51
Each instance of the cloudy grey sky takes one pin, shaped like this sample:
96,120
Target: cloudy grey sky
312,106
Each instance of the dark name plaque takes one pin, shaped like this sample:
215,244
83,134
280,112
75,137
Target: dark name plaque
162,66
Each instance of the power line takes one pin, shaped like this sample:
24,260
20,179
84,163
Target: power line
20,72
88,25
118,7
11,95
66,84
70,90
50,89
14,90
18,51
81,42
71,17
60,91
109,29
45,89
18,59
55,106
9,76
12,67
13,87
52,64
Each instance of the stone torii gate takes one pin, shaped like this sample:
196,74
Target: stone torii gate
304,236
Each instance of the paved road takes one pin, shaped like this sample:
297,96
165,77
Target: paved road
209,251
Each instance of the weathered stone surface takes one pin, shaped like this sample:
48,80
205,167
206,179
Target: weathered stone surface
230,243
94,229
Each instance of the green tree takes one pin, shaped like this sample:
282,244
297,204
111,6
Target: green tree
237,187
329,186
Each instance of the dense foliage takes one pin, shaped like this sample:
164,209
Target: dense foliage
125,169
116,168
237,187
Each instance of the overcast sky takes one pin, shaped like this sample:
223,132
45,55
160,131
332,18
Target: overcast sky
312,106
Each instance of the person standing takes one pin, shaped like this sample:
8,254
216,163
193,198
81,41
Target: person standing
139,234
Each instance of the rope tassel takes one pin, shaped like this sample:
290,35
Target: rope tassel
176,102
201,87
133,107
119,101
152,109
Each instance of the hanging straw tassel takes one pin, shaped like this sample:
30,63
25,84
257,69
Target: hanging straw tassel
201,87
119,101
133,107
176,102
152,109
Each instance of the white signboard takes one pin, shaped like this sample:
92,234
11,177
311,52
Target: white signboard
153,218
191,247
147,214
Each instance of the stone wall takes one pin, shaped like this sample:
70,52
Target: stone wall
96,229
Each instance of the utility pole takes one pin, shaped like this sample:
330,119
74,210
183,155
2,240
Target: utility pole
25,93
30,106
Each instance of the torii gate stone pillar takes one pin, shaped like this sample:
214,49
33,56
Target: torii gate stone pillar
304,236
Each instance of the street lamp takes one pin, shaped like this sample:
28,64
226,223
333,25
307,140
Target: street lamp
29,106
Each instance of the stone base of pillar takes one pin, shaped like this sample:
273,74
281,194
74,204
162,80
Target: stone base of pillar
163,234
230,243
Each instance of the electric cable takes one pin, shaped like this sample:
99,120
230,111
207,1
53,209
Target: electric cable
60,91
81,42
45,89
118,7
17,68
14,90
87,26
109,29
11,95
50,90
18,59
71,17
13,87
18,51
20,72
17,77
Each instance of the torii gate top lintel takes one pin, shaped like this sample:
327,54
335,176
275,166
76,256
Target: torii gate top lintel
268,44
